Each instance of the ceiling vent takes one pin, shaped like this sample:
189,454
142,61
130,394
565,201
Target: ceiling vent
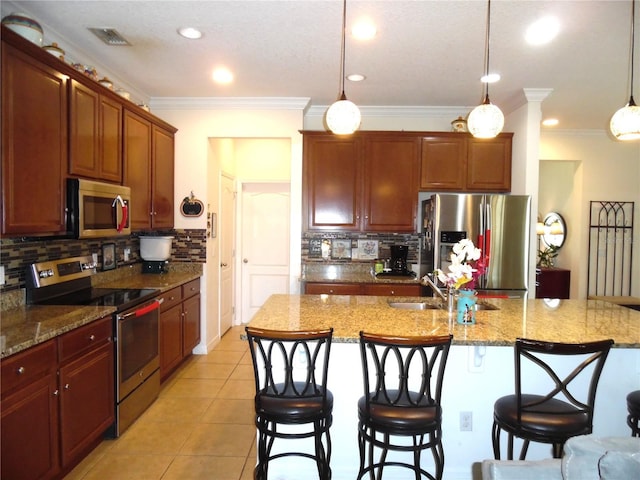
110,36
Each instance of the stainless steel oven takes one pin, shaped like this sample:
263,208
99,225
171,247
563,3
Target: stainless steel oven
138,362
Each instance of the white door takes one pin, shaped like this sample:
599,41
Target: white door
265,244
227,245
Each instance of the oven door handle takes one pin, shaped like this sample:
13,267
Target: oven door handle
144,310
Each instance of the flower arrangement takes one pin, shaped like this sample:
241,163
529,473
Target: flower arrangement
467,265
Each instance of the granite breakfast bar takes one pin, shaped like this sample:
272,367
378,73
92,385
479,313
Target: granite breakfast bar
479,368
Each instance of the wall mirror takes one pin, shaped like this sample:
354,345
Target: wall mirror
554,230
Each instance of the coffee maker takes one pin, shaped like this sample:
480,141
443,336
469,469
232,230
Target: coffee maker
399,260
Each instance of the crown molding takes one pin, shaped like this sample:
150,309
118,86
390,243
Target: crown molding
229,103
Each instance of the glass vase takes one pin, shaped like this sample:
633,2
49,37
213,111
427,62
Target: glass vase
467,307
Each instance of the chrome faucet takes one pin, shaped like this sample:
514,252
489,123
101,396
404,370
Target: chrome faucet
435,288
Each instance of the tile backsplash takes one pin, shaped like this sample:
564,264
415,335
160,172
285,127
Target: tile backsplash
16,254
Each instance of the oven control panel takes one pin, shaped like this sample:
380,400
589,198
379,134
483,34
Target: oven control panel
57,271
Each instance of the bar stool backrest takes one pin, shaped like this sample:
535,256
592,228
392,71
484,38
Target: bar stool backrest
576,385
407,371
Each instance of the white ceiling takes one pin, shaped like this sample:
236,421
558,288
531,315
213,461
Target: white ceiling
426,53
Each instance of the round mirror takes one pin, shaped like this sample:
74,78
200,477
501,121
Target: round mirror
554,230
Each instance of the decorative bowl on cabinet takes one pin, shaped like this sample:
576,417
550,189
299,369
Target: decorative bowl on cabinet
24,26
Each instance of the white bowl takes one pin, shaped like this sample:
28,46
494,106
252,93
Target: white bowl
24,26
155,248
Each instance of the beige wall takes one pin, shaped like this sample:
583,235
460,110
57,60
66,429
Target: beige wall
578,167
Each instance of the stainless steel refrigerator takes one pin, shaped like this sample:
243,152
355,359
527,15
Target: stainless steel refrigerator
498,224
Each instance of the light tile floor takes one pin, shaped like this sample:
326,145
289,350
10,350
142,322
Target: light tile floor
201,426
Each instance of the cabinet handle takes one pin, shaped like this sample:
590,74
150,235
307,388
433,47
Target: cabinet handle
55,392
66,386
393,292
20,370
92,338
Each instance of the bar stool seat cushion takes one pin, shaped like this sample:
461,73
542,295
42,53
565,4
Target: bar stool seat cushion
633,402
552,419
402,418
285,406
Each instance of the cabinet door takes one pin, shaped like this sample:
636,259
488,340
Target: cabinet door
391,289
87,404
137,168
162,179
84,139
489,164
333,289
190,324
391,168
443,165
332,183
110,140
553,283
170,333
29,431
34,146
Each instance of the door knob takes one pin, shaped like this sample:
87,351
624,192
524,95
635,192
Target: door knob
223,264
245,260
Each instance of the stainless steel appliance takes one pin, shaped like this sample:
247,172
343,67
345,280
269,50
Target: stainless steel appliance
498,224
137,375
398,263
97,209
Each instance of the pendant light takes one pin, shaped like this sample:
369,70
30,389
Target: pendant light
486,120
625,123
343,117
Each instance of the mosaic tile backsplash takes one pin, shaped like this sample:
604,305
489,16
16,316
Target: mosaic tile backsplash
17,254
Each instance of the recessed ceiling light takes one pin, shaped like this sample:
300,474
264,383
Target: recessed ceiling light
355,77
550,122
542,31
491,78
364,29
222,75
190,33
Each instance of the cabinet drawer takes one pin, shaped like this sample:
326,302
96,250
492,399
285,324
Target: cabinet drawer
333,289
189,289
392,289
171,298
85,338
25,367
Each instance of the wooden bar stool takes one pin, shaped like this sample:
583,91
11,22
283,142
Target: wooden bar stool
564,410
290,370
402,388
633,407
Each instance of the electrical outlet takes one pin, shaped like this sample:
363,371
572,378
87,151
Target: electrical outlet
2,281
127,252
466,421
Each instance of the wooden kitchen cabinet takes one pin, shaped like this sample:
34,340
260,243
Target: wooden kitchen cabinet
179,330
377,289
86,383
148,171
57,402
95,135
332,182
34,142
364,182
29,421
391,167
461,163
553,282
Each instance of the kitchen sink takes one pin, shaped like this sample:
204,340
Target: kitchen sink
414,305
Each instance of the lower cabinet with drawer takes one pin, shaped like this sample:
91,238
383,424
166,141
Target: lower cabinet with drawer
57,400
179,325
380,289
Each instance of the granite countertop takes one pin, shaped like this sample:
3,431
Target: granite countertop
571,321
349,273
24,326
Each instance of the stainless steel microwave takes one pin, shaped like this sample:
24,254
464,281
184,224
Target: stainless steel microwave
97,209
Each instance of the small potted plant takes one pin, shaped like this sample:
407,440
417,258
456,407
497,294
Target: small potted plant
547,256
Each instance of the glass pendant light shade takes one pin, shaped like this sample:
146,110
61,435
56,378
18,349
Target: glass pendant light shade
485,121
625,123
343,117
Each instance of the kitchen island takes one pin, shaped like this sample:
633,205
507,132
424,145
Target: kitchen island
479,369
